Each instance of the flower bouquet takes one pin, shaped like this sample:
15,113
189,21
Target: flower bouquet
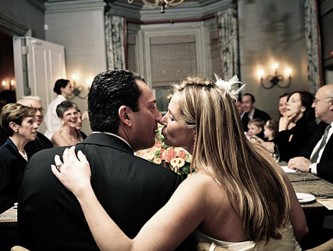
175,158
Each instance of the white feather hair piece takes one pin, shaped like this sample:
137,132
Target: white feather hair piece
233,86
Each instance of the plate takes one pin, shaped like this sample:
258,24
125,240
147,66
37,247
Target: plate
286,169
305,197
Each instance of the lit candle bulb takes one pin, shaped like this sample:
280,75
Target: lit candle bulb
89,82
275,66
261,73
12,85
287,72
75,78
3,84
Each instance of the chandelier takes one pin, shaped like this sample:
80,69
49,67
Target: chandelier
153,4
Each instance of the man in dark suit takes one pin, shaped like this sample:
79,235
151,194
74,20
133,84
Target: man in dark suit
41,141
318,155
123,118
250,111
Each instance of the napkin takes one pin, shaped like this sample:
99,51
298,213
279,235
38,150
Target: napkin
328,203
286,169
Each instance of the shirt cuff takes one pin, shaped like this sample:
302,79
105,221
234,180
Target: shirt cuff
313,168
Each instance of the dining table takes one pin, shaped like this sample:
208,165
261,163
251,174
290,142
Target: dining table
315,196
317,191
9,217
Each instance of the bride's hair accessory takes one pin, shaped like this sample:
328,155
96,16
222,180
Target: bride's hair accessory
233,86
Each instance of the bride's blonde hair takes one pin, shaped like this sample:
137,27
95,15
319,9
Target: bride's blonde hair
255,186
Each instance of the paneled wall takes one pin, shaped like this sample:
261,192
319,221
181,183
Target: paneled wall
269,30
79,27
272,31
326,18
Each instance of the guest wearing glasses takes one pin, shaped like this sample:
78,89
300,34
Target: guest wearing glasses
317,157
41,141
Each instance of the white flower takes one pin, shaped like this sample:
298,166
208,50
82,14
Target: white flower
233,86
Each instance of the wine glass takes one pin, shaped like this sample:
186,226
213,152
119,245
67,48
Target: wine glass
276,154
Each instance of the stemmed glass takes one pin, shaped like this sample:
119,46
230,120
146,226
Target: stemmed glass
276,154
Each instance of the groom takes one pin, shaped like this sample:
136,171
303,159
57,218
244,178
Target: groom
123,118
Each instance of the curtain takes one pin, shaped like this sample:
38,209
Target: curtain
228,38
115,35
312,38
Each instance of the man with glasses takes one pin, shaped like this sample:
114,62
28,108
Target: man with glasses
41,141
317,157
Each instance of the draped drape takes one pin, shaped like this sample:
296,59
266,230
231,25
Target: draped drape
312,38
228,37
115,35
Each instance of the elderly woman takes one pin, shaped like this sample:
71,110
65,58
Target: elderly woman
68,134
291,141
19,123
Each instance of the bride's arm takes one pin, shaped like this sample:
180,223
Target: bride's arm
164,231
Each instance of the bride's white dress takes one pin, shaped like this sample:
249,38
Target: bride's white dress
286,243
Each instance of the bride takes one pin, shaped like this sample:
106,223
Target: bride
239,198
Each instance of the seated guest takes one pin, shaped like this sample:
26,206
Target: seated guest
270,130
41,141
299,111
229,204
19,123
68,135
239,106
283,104
250,111
317,157
64,89
283,99
255,128
6,97
79,124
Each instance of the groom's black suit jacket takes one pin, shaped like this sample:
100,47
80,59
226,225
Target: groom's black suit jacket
325,165
130,189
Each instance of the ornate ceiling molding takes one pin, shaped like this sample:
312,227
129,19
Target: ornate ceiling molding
53,6
10,26
39,4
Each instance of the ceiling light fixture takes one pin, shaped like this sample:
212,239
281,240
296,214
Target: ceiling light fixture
153,4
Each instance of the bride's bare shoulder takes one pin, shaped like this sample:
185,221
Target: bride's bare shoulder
203,179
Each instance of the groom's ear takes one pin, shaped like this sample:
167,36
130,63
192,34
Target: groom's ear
124,115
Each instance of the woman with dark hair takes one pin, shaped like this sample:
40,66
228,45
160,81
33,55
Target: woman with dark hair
19,123
291,141
68,134
63,88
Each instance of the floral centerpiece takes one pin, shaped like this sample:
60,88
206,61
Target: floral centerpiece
175,158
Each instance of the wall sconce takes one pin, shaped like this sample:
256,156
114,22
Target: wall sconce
78,89
11,85
276,79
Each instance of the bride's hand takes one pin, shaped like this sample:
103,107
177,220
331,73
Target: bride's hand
74,173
